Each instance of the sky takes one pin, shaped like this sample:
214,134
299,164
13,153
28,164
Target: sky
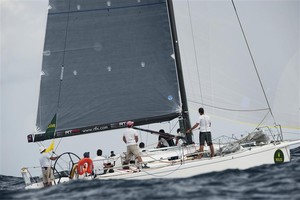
22,34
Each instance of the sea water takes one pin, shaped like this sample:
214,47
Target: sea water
280,181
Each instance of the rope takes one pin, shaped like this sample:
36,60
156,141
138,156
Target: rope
173,162
58,144
261,121
230,109
254,65
168,162
171,172
168,135
180,154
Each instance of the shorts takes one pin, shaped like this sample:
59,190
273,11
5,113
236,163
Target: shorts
132,150
205,136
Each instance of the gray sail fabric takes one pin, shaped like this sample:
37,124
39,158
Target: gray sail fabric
116,60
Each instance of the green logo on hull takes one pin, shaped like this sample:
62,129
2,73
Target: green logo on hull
278,156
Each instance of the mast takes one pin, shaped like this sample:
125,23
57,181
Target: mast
184,121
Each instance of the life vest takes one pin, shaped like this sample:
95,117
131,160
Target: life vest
85,165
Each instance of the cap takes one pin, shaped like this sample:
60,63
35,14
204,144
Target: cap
86,154
129,123
41,148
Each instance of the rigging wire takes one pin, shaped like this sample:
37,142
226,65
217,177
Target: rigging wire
63,60
195,51
58,144
228,109
254,65
261,122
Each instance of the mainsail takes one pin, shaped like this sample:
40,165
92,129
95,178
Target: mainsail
106,62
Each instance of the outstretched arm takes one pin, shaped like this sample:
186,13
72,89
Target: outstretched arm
53,158
195,126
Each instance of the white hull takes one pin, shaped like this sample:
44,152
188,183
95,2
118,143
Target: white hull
246,158
187,166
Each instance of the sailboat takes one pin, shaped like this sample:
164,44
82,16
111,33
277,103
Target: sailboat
107,62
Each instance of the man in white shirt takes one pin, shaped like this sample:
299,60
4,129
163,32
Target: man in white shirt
130,137
205,132
100,163
45,163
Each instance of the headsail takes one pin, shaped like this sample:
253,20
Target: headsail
220,75
106,62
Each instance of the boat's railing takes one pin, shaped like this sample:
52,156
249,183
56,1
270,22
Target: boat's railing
272,135
29,178
26,173
224,144
260,136
224,140
275,133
